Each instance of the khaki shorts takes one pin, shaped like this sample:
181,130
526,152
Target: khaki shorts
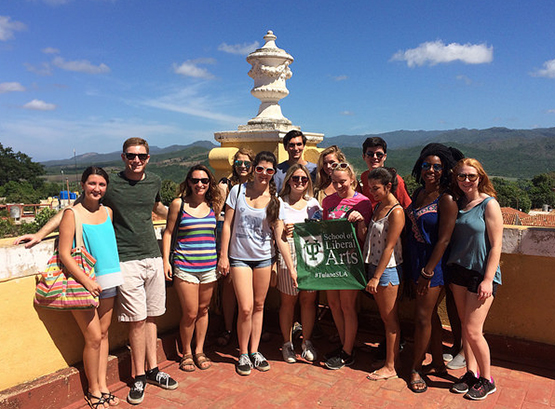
143,293
199,277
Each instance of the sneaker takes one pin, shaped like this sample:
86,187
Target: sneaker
339,361
297,331
481,389
259,362
464,383
309,352
244,365
331,354
458,362
288,353
137,392
161,379
447,357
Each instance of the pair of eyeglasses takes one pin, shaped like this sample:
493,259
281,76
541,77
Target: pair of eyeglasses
300,179
340,165
195,181
262,169
461,177
436,166
131,156
241,163
378,155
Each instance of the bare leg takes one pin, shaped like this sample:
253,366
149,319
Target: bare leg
308,312
242,283
286,313
229,303
473,328
137,341
151,336
188,294
201,326
425,309
334,303
105,310
459,294
386,298
261,284
348,307
454,320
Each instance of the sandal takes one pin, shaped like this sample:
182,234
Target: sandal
110,399
187,364
94,405
224,338
202,361
420,381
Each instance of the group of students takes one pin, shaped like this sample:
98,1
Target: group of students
232,228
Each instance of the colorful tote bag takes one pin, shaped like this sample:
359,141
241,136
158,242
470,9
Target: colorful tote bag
328,256
57,289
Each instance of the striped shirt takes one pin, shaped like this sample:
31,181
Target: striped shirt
196,243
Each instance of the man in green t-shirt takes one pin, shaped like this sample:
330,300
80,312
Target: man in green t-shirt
133,195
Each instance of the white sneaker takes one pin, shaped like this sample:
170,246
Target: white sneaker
288,353
309,352
447,357
458,362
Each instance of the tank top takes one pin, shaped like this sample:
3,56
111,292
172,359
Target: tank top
376,239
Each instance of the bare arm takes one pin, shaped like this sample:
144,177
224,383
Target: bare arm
494,227
360,224
223,260
65,245
284,249
33,239
160,210
167,236
396,224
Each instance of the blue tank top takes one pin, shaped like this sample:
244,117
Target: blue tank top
470,244
100,241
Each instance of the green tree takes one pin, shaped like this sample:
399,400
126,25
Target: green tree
543,190
17,167
20,192
510,194
168,191
410,184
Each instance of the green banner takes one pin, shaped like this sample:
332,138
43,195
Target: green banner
328,256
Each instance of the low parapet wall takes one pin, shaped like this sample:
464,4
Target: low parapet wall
35,342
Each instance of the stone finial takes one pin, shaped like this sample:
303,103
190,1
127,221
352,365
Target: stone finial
270,69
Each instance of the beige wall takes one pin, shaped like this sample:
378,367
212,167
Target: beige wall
36,342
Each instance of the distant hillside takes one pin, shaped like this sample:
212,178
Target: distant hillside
514,153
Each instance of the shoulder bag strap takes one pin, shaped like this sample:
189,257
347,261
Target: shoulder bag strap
176,227
78,228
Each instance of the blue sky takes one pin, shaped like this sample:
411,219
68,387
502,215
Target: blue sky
87,74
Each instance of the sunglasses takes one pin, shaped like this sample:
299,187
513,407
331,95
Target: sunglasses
262,169
195,181
300,179
461,177
378,155
131,156
436,166
341,165
241,163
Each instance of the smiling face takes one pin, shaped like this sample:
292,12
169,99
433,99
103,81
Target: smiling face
464,174
298,181
374,157
240,164
94,187
431,170
378,190
295,148
329,162
199,182
342,183
263,172
134,165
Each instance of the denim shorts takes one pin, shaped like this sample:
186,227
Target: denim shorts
251,263
197,277
390,275
469,279
108,293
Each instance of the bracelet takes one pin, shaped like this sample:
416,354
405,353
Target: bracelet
426,275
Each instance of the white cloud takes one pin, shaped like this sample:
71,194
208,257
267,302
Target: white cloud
340,78
8,27
50,50
80,66
240,49
42,69
465,79
436,52
548,70
190,68
347,113
11,87
38,105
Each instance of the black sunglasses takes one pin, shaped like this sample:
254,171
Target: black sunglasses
436,166
461,177
204,181
378,155
244,163
131,156
299,179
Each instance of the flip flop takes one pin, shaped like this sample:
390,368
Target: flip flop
375,376
187,363
202,361
419,381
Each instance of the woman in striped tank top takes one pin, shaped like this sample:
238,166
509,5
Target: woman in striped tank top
195,259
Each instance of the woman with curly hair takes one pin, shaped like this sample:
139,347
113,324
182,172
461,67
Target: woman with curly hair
327,161
195,258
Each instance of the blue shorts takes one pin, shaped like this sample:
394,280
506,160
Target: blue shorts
251,263
390,275
108,293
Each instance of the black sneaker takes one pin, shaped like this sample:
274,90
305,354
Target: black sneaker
244,365
339,361
464,383
259,362
161,379
137,392
334,353
481,389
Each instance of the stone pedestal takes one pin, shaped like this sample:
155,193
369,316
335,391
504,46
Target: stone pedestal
270,69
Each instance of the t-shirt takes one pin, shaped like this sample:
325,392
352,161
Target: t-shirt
290,215
282,169
132,202
251,235
336,207
401,193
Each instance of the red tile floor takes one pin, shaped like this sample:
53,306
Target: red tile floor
304,385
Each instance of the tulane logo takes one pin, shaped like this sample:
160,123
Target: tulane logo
313,250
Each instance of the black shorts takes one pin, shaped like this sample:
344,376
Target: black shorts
467,278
